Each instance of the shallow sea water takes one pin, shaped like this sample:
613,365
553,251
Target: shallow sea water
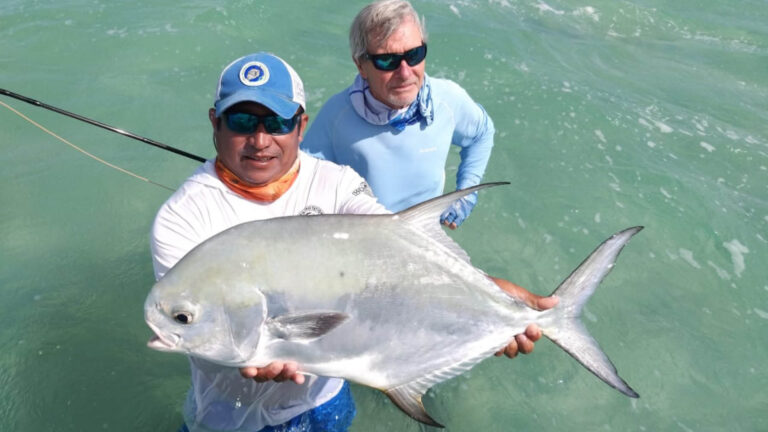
609,114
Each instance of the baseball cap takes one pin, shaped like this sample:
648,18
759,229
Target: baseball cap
263,78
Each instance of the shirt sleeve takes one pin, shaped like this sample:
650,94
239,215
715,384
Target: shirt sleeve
474,134
355,196
172,236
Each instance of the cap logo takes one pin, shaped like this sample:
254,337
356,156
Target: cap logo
254,74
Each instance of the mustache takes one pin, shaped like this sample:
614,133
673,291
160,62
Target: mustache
405,82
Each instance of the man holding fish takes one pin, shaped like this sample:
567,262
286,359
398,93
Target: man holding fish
259,173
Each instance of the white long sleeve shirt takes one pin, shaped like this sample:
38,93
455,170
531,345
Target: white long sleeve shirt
220,398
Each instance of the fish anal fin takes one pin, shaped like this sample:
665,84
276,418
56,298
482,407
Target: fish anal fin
305,326
407,397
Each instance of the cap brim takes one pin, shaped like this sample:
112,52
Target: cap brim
282,107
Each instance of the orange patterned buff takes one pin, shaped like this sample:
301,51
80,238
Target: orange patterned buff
267,193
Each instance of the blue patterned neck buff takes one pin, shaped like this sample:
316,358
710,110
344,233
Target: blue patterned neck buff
377,113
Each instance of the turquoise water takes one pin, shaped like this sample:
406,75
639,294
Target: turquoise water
609,114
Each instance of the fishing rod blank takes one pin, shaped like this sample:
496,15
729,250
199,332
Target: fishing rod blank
101,125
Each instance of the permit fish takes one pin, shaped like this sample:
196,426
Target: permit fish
386,301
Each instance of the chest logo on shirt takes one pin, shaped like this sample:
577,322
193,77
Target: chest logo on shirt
311,210
254,74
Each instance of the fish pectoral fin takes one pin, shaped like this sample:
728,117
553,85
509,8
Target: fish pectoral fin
305,326
407,397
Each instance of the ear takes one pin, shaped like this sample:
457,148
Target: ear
212,117
360,69
216,124
302,125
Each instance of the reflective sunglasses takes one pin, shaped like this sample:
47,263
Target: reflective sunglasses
390,62
247,123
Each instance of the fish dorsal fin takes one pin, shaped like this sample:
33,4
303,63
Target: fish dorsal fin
408,396
305,326
425,217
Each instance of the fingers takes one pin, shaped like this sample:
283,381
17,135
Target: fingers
275,371
516,291
544,303
262,374
532,333
525,341
522,343
510,350
535,301
290,372
298,378
449,219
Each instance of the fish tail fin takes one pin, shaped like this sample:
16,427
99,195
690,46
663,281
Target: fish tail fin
567,330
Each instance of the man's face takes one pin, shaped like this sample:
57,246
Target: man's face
257,158
397,88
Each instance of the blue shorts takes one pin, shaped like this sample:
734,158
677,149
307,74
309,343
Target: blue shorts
333,416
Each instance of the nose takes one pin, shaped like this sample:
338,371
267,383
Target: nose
259,139
403,70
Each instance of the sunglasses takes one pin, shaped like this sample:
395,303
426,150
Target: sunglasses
390,62
247,123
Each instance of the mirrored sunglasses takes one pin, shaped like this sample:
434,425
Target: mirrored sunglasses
390,62
247,123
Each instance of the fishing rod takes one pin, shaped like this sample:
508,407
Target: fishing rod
101,125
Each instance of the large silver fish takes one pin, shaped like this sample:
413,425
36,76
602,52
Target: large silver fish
387,301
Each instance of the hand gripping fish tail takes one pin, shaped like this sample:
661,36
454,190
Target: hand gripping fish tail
561,324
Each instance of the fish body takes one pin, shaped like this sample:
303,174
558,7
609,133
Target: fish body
387,301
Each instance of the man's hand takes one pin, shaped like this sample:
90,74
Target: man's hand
276,371
523,342
458,211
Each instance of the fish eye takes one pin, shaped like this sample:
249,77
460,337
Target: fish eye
183,312
182,317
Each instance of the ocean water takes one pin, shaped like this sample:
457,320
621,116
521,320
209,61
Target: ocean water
609,114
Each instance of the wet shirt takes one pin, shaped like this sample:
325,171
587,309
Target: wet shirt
220,398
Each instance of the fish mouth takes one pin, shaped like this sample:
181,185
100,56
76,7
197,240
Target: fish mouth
161,343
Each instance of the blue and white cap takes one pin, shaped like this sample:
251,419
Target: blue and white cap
263,78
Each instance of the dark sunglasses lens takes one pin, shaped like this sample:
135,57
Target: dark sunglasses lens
245,123
276,125
416,55
386,62
242,123
390,62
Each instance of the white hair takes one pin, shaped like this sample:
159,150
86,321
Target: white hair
377,21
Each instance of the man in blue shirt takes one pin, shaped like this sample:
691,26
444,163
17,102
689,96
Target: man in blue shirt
394,125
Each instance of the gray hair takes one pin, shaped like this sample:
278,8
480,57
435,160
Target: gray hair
379,20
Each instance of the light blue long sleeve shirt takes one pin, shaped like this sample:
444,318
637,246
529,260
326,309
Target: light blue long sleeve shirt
406,167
